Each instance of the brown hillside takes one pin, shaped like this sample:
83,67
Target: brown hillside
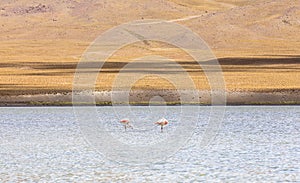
257,42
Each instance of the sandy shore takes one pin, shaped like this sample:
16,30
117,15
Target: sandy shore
160,97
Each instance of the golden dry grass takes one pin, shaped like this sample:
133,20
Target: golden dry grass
257,43
32,74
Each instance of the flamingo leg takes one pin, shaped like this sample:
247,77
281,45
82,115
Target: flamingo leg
125,127
161,128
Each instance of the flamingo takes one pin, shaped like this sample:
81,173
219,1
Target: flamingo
162,122
126,123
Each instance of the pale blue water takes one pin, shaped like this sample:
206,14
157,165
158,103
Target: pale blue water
254,144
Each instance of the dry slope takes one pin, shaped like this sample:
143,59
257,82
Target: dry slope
257,42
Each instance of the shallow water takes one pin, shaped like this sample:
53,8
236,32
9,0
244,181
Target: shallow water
254,143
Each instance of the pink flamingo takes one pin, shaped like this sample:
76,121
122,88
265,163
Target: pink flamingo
126,123
162,122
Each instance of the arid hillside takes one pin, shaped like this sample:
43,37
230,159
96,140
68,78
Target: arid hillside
257,41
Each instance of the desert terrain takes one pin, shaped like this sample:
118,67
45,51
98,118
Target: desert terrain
257,44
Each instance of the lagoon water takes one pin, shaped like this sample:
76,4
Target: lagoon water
253,144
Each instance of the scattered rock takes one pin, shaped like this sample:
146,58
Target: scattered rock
40,8
286,22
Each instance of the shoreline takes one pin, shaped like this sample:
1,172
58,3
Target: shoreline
152,97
